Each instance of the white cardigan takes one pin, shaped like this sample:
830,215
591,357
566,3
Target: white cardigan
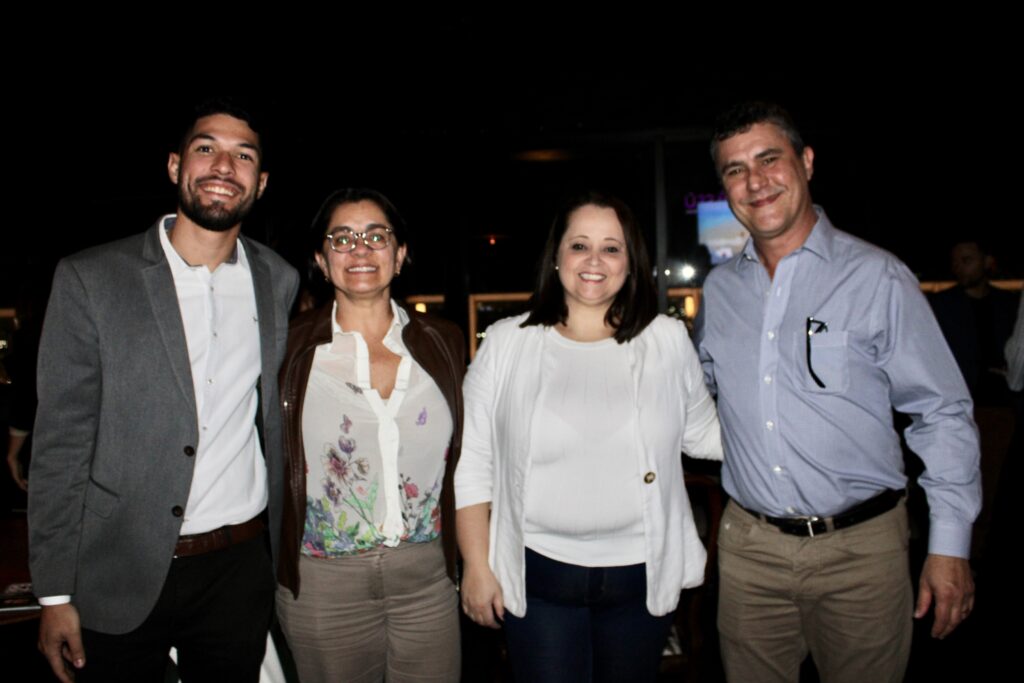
673,412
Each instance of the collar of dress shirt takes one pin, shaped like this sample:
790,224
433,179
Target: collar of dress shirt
399,319
819,242
179,263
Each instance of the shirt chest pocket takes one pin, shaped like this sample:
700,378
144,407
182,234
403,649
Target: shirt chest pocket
828,362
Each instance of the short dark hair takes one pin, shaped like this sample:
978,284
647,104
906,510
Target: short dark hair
984,248
232,106
741,117
633,308
352,195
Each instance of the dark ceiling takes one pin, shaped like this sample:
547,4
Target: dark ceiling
439,114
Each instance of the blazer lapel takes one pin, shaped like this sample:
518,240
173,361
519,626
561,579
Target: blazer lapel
264,290
163,298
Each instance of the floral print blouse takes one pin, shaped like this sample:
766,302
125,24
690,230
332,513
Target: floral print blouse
374,467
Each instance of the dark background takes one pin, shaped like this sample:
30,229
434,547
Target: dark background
913,130
914,120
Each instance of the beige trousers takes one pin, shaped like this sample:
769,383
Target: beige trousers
389,614
845,596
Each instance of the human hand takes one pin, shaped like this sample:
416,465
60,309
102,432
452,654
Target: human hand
948,580
60,640
481,596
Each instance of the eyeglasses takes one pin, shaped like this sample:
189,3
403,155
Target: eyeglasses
344,240
814,327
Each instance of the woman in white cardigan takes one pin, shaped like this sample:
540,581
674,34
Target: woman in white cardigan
573,521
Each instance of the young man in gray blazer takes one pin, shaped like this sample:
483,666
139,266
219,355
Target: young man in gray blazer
155,484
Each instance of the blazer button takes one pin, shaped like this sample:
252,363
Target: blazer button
189,451
649,477
177,511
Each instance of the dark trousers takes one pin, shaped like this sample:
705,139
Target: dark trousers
214,608
585,624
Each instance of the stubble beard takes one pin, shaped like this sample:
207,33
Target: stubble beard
215,217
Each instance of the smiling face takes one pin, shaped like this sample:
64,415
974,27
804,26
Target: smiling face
592,259
363,272
218,172
766,183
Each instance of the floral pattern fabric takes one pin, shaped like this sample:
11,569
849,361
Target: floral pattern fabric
345,504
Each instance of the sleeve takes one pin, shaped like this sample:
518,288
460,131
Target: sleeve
69,386
474,476
702,437
1015,351
707,364
926,384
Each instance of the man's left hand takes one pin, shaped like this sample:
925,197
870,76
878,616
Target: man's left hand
948,580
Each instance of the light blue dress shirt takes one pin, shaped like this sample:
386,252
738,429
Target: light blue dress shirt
796,448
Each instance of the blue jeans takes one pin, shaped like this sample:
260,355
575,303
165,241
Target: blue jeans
585,624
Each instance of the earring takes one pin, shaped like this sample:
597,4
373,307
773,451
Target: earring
556,267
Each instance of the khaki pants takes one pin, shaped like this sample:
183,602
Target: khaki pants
391,612
845,596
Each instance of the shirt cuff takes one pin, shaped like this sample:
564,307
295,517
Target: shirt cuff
949,538
51,600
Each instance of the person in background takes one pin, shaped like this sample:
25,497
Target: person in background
977,318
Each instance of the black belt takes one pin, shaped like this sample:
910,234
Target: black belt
813,525
218,539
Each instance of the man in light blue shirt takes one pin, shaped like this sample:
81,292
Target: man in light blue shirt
810,338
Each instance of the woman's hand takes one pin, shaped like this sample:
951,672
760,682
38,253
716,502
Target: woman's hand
481,596
481,593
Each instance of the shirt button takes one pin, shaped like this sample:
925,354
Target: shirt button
214,334
767,379
177,511
209,380
777,469
190,451
771,335
649,478
791,510
770,425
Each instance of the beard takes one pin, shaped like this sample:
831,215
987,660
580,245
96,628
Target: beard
215,217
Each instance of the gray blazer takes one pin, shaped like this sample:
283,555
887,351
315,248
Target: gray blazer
116,414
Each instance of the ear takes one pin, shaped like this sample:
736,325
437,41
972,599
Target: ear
400,258
173,166
322,262
808,159
262,184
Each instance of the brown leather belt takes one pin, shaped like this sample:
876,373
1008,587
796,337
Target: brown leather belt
812,526
218,539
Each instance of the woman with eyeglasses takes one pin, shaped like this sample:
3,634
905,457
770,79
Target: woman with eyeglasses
574,524
372,403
